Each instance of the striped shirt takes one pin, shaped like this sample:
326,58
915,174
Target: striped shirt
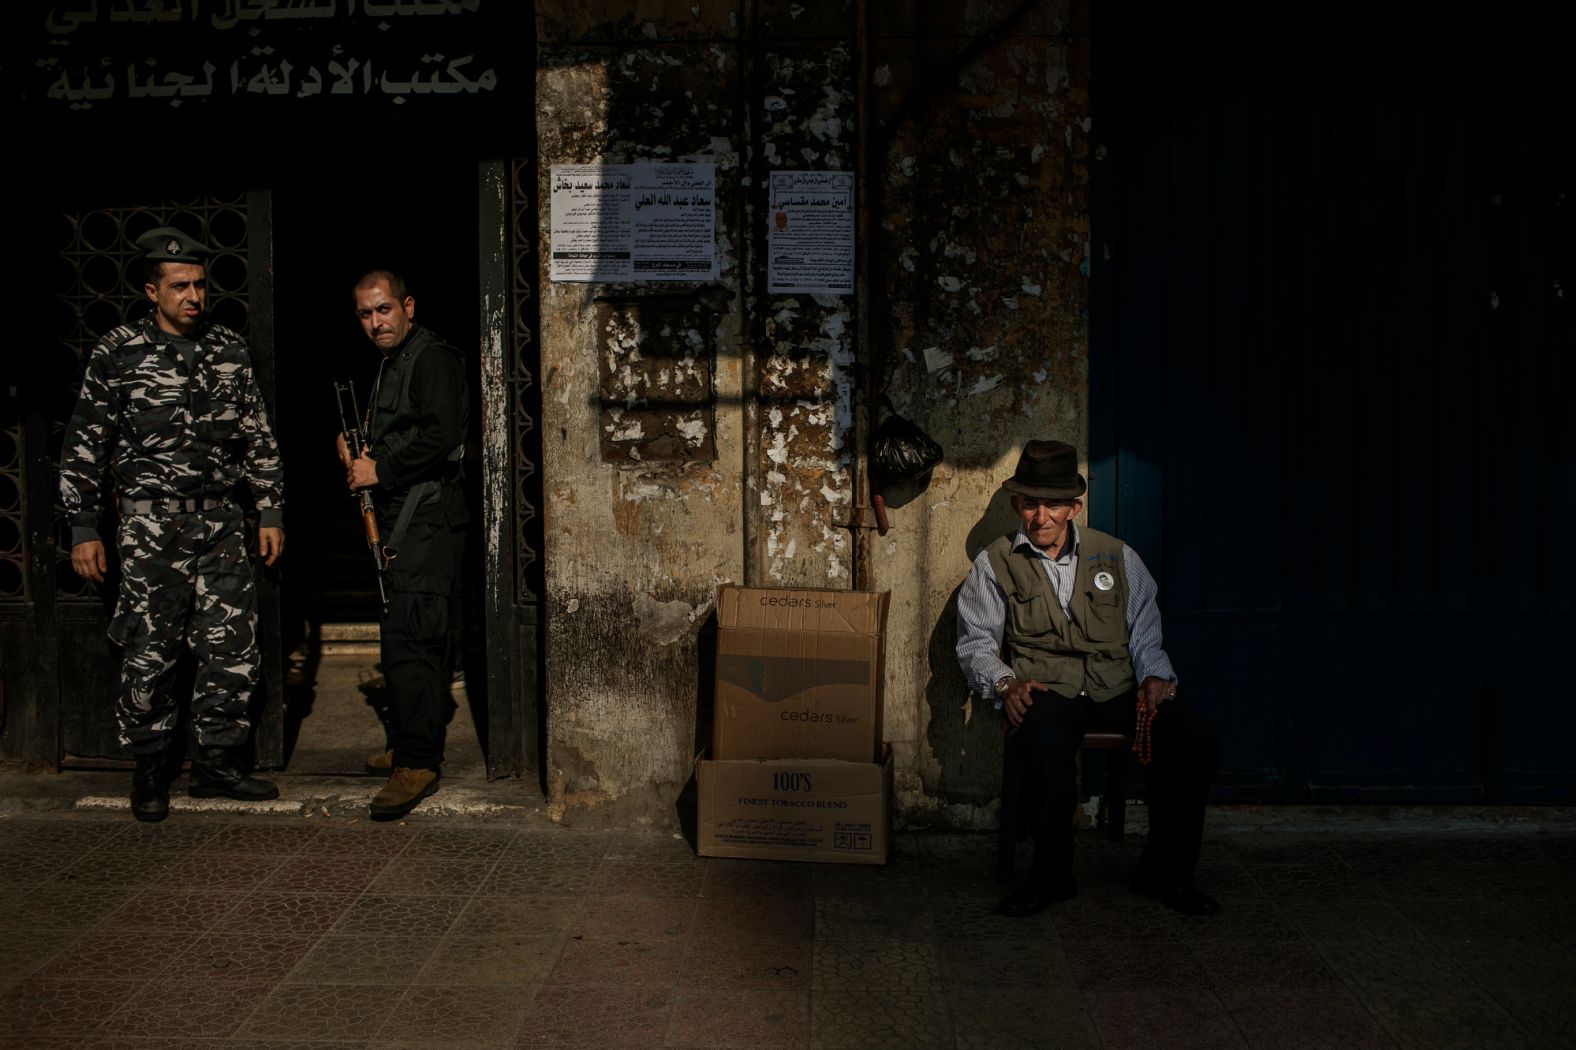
982,611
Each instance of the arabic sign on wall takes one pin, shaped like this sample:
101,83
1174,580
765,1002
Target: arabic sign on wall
810,236
633,222
117,54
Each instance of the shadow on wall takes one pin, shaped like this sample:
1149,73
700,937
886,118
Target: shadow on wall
964,731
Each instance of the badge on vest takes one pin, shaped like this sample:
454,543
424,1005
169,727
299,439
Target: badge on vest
1104,580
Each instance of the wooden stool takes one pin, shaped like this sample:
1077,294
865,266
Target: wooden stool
1112,814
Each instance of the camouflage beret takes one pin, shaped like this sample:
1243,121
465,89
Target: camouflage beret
167,244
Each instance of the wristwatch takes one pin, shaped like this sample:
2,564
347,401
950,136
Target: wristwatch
1003,682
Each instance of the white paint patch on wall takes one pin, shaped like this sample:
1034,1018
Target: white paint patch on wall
663,623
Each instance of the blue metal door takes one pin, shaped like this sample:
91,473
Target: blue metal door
1332,356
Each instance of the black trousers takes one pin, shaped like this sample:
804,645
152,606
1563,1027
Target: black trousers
1043,752
419,632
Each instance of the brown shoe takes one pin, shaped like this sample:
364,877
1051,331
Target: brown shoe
404,790
380,765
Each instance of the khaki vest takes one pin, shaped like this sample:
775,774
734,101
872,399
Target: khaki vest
1084,654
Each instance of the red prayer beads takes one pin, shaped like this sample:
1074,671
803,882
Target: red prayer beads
1143,741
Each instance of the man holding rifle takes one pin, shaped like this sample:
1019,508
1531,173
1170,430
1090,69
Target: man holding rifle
411,463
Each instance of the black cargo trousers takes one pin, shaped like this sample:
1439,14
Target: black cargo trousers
420,629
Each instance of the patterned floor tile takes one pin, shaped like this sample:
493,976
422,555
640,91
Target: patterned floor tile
591,1016
647,918
520,916
1533,880
1380,963
61,906
60,835
1005,964
472,844
756,879
746,963
521,963
868,920
1408,882
311,872
1498,850
1437,1017
1052,1020
1257,918
623,878
536,876
26,952
302,914
191,911
208,1009
1349,920
322,1011
1125,915
1332,880
403,915
432,876
1328,1018
1476,917
972,919
1271,848
222,871
1231,882
261,958
876,964
1547,1013
639,847
260,839
1414,851
783,918
1110,963
1177,1019
893,1020
301,1044
125,955
705,1018
24,867
869,881
176,836
628,962
360,840
353,959
559,845
106,867
64,1008
1244,963
456,1016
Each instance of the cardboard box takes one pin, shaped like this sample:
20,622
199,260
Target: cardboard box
800,673
795,809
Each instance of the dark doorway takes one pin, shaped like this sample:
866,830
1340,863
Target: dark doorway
350,197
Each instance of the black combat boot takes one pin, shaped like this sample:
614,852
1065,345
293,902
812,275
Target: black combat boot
217,774
150,792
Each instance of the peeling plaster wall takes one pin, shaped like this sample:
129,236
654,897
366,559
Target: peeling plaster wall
983,280
643,497
701,434
805,379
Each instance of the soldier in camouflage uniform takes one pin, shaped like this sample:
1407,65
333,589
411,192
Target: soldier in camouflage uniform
171,412
416,436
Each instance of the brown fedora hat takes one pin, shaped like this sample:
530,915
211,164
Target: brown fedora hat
1047,470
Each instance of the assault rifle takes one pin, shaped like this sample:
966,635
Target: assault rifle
350,426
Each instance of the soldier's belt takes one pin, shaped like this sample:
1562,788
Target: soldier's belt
171,506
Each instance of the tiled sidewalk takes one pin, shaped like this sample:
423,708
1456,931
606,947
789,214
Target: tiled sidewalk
270,932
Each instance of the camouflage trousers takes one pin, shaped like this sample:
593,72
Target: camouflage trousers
185,579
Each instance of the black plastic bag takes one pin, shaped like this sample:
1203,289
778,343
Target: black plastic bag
901,451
